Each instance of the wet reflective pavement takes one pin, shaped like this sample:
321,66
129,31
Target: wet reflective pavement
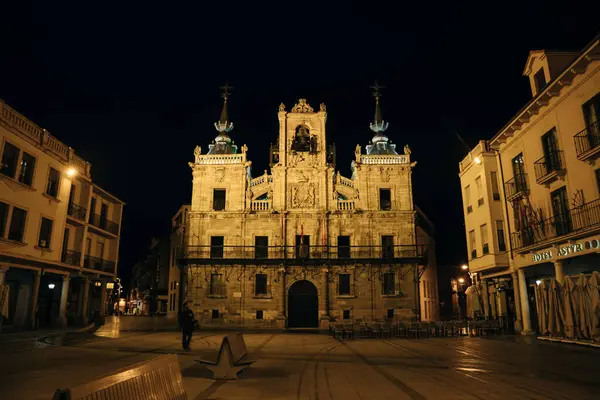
310,366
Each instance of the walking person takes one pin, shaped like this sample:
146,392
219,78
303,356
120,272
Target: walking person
186,319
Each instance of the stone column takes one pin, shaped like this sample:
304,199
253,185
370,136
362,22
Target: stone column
281,317
3,271
64,296
35,291
558,271
524,297
519,321
102,311
83,300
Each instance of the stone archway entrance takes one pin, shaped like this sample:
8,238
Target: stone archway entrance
303,305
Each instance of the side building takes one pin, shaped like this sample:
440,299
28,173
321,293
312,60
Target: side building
59,231
303,245
531,194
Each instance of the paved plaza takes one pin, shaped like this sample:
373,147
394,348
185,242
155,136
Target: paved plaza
315,366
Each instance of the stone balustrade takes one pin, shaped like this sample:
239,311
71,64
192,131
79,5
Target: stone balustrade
20,123
58,147
216,159
345,181
260,205
384,159
345,205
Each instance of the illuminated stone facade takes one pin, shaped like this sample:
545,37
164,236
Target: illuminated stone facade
302,245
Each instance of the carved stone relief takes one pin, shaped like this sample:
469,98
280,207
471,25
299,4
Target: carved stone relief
385,174
303,195
219,174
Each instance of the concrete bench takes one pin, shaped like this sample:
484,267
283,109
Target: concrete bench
232,358
157,379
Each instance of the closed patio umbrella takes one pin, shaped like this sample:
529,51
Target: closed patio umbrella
586,313
542,307
593,289
473,305
571,310
555,310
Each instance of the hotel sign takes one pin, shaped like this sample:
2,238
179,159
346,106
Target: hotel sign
564,251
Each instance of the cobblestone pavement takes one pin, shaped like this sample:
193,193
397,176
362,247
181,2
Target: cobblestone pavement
311,366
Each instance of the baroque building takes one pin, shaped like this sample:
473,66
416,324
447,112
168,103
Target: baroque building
303,245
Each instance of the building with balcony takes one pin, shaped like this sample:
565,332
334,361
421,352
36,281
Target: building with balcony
301,245
539,183
59,232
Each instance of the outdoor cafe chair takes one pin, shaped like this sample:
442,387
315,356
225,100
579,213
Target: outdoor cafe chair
376,330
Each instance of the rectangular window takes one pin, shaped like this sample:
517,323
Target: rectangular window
468,198
385,199
484,238
389,283
540,80
17,224
71,196
3,218
216,285
45,233
552,161
218,199
27,167
390,313
591,114
302,246
215,314
346,314
495,188
260,285
472,244
260,314
92,209
478,186
344,284
387,246
500,234
10,158
88,247
518,166
560,208
216,246
343,246
261,247
53,181
597,172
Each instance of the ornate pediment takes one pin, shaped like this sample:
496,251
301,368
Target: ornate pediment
302,107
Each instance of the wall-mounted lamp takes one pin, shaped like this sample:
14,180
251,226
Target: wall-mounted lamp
71,172
51,286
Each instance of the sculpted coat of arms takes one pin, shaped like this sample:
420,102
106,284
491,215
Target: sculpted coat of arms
303,195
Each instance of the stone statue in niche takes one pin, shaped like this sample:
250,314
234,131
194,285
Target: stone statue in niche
406,149
357,152
197,152
354,168
282,107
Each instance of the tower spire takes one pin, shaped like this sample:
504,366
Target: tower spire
224,126
378,125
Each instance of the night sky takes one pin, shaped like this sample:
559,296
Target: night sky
133,87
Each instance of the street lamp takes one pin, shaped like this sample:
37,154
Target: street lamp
461,280
464,267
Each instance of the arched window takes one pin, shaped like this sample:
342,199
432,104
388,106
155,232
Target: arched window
302,140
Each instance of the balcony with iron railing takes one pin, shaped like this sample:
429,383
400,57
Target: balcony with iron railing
516,186
548,169
587,142
71,257
302,254
577,220
104,223
99,264
76,211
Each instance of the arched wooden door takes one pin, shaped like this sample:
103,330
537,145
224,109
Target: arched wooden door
303,305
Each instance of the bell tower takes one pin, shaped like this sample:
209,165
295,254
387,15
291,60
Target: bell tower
303,165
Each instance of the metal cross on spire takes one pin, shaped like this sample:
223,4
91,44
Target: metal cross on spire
224,126
378,124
